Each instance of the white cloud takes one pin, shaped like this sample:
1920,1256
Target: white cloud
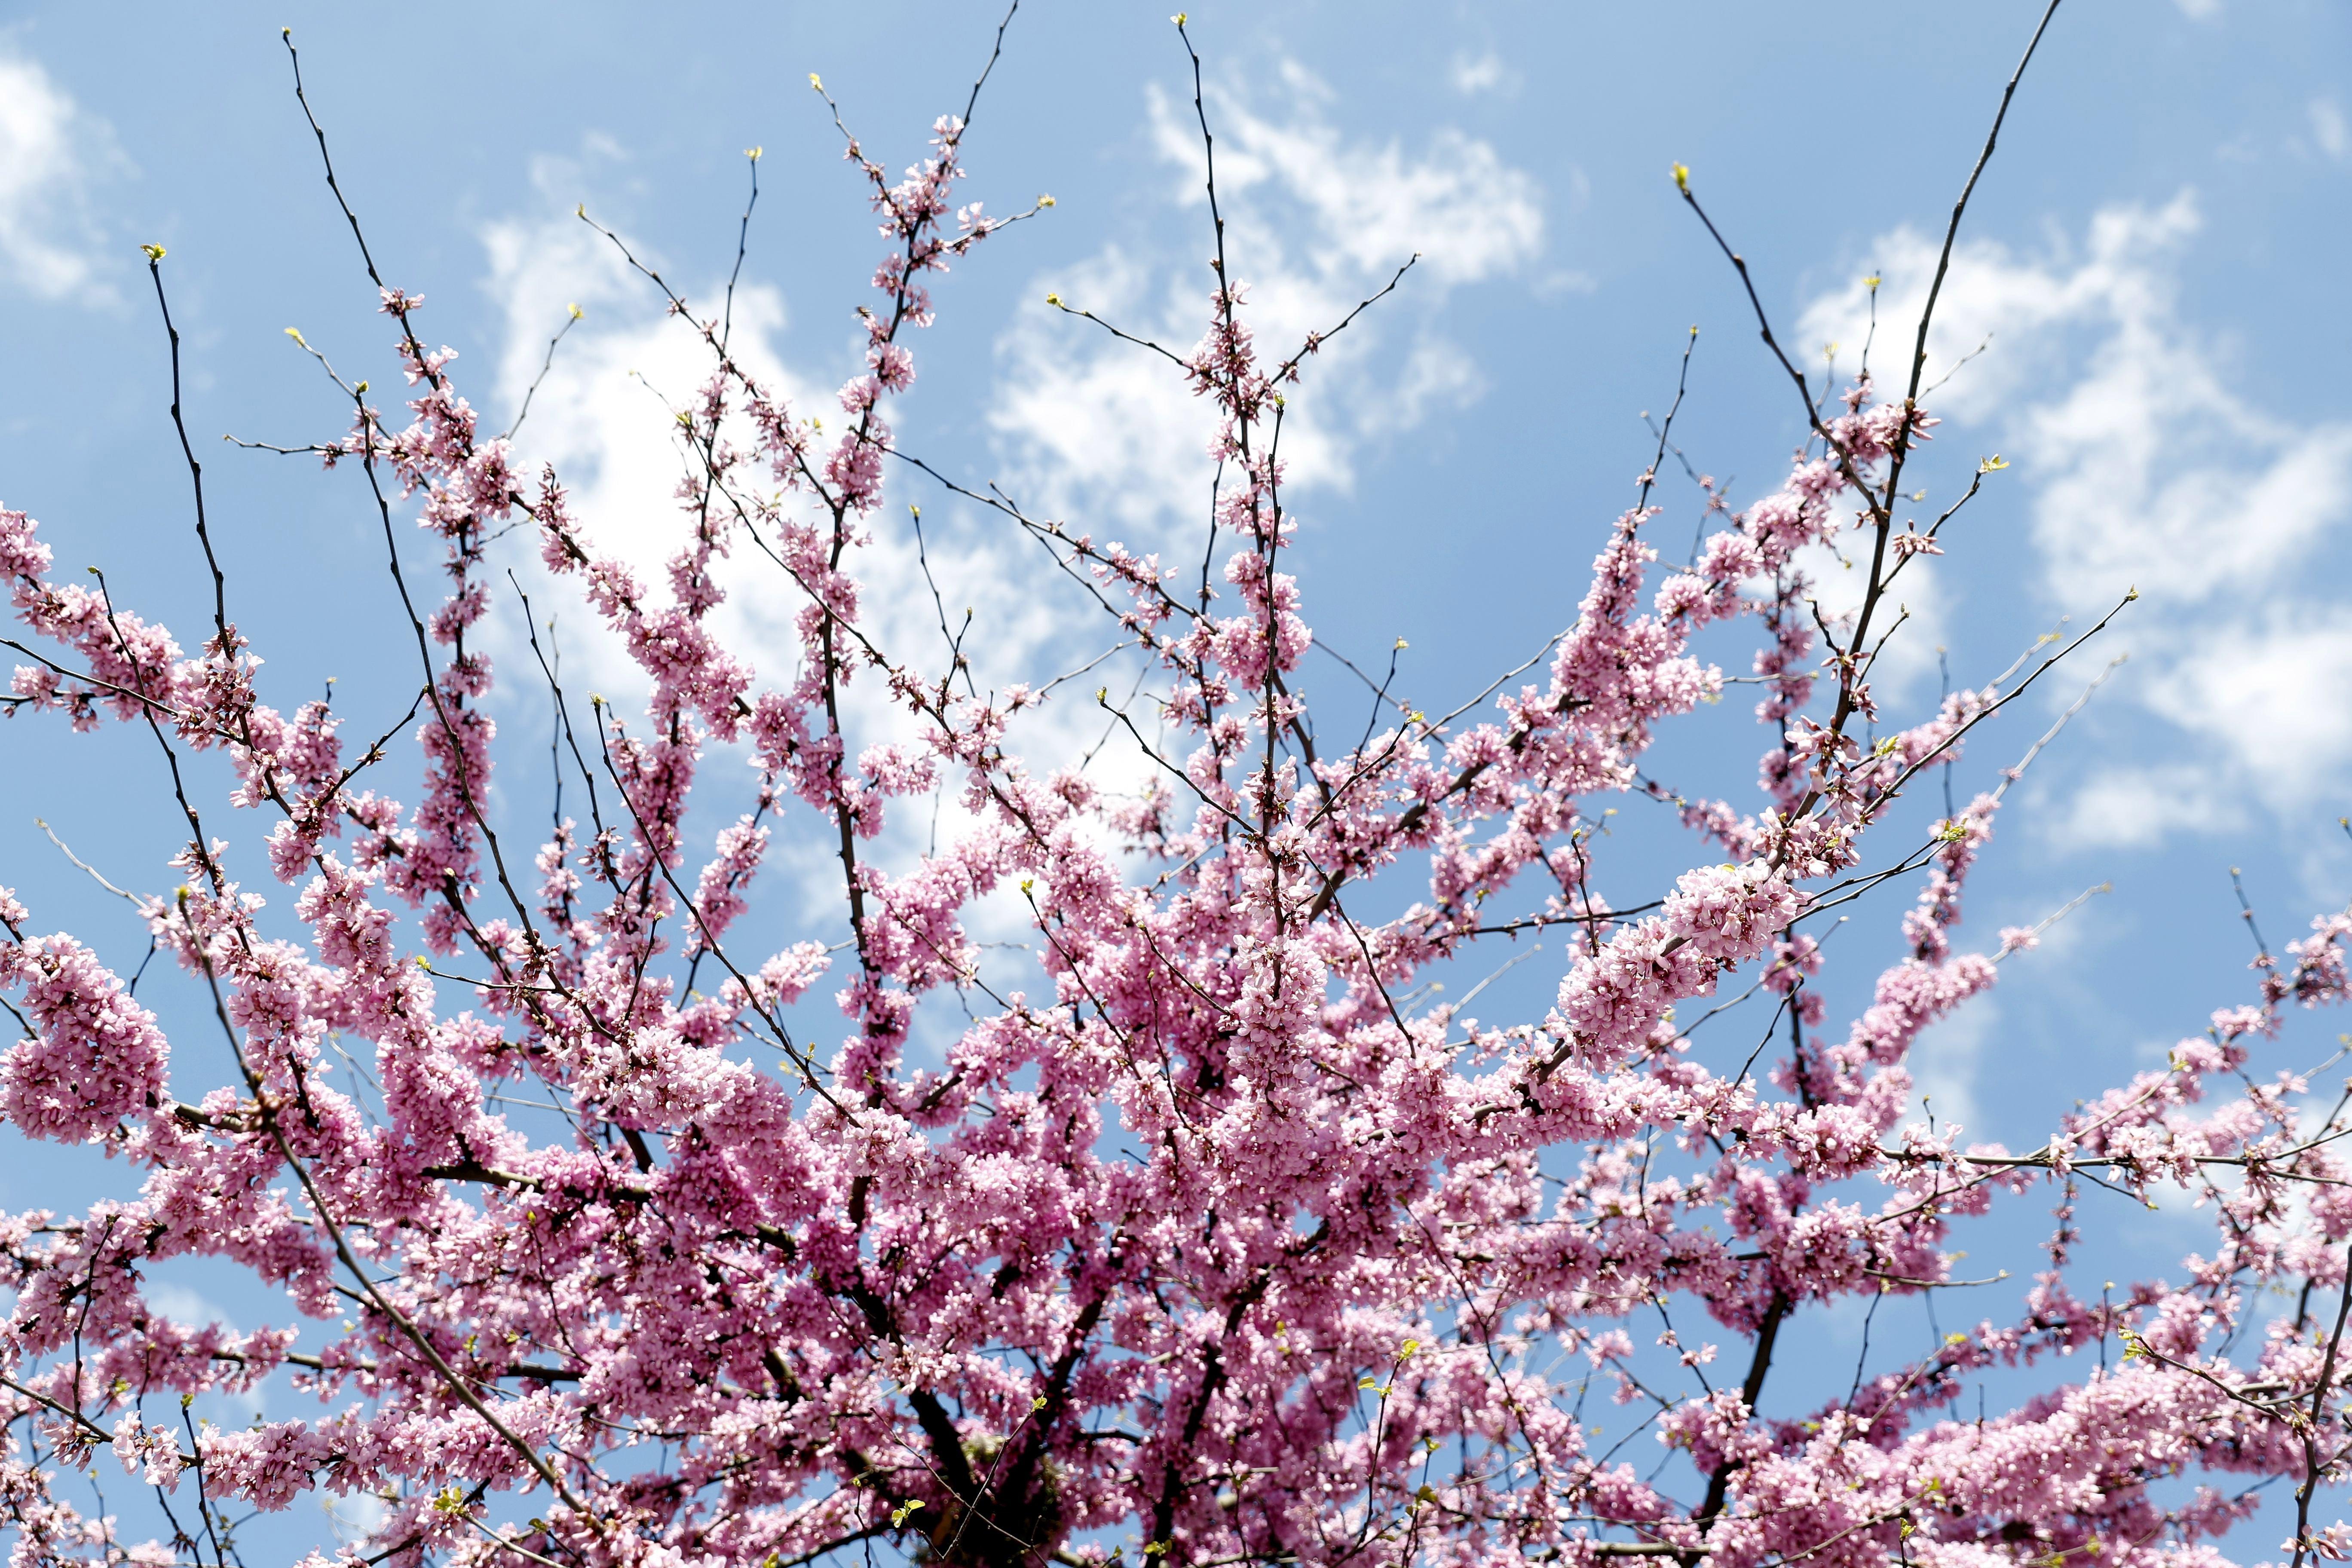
602,416
2328,128
1948,1061
1105,427
354,1517
1566,281
51,150
1315,221
193,1309
1483,73
1943,1064
1907,631
182,1305
2149,466
1459,207
2139,807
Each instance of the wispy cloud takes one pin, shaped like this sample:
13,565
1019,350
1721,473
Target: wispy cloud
602,415
51,150
1943,1064
193,1308
1474,75
2328,128
1315,221
2150,464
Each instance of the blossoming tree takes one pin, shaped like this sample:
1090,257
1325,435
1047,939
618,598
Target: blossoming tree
1201,1241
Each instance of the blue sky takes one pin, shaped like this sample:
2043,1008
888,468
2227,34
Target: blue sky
2151,266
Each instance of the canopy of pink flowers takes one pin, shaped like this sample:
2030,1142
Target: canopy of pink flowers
1210,1248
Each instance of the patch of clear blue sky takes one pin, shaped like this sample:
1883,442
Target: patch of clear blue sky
1812,129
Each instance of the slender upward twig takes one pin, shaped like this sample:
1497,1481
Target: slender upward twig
196,469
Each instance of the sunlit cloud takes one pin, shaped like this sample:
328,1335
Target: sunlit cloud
2150,465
